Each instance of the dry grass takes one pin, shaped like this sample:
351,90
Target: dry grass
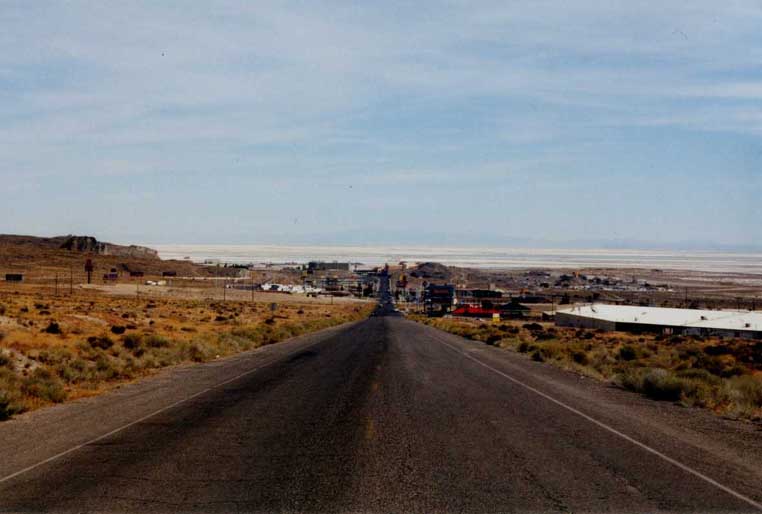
722,375
53,349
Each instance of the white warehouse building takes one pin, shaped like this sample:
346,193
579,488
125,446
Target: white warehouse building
630,318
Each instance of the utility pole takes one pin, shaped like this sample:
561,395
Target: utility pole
252,287
71,280
56,283
89,268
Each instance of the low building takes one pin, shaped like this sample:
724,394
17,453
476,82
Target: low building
514,310
630,318
14,277
477,297
349,285
470,311
438,299
327,266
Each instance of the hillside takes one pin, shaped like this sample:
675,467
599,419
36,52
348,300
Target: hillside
41,256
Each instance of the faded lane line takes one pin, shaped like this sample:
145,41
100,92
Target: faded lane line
370,429
148,416
611,429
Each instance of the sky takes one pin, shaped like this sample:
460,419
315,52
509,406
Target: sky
587,123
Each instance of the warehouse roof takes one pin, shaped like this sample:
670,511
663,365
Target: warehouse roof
721,320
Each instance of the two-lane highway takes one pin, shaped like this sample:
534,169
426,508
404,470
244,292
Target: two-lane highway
381,415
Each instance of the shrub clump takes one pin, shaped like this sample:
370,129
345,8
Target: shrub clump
102,342
580,357
745,393
660,384
493,340
132,342
7,407
53,328
656,383
156,341
44,385
104,369
628,353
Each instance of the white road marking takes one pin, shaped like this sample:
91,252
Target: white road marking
159,411
611,429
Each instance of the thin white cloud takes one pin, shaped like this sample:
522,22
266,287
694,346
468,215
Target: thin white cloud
749,90
381,92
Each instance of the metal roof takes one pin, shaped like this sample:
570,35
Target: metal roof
721,320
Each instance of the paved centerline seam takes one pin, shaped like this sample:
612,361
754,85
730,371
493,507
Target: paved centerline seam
612,430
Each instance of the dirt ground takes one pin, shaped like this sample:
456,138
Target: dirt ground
55,347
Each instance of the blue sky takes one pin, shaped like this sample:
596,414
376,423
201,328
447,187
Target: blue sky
499,123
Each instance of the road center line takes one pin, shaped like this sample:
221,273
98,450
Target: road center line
152,414
610,429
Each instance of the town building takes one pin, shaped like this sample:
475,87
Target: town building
438,299
313,266
631,318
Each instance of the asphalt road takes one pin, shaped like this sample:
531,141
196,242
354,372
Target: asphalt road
377,416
